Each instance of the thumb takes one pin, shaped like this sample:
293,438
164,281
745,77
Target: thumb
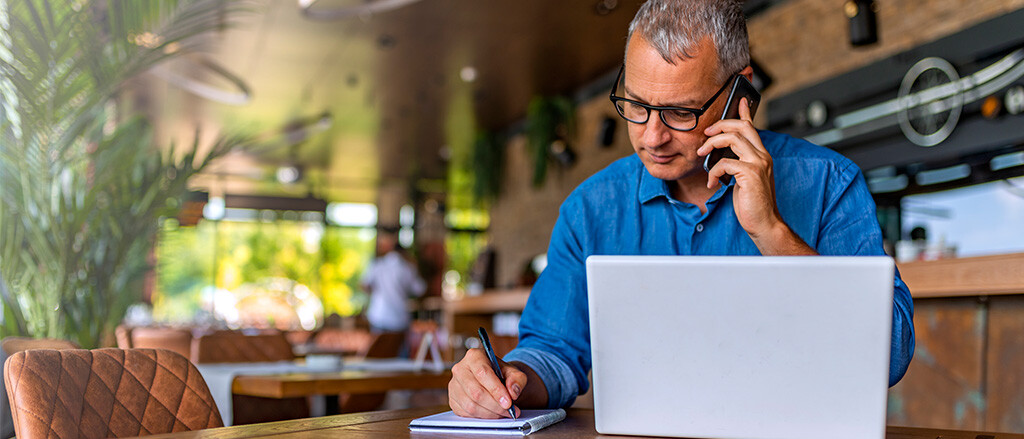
515,380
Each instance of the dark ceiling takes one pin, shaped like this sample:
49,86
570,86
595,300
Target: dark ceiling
394,85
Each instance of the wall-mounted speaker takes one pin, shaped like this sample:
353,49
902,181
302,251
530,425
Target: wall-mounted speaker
863,21
606,134
761,78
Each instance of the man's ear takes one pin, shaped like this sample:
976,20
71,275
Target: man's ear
748,71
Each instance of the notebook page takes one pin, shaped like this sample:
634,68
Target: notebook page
449,422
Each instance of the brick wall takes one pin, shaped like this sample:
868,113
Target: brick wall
802,42
799,43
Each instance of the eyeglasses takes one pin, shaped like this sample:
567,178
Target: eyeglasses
676,118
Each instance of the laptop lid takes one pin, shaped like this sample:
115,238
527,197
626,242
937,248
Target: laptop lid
740,347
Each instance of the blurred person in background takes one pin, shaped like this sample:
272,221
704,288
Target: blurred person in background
390,280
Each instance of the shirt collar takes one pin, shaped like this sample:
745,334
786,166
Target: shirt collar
652,187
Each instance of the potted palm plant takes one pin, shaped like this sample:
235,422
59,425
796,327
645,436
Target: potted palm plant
83,180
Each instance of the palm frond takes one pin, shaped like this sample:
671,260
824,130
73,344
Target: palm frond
84,182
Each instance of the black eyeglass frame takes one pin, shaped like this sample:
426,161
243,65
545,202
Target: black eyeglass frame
697,112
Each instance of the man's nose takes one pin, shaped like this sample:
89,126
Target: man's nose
655,132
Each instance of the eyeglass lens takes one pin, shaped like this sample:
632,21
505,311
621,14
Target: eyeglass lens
678,119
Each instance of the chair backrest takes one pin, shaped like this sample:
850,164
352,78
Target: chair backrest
104,393
345,341
123,335
173,339
384,345
235,347
12,345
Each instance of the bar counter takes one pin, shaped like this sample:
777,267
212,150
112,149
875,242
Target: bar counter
968,366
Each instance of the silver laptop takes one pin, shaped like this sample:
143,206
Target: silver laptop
740,347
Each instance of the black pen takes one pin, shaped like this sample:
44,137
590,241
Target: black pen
494,364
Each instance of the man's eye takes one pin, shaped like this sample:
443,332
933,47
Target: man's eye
679,115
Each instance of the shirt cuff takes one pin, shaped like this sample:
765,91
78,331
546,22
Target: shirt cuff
556,375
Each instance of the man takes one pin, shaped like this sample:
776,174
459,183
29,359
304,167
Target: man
787,197
390,280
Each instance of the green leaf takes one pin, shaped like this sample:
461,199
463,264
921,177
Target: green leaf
80,205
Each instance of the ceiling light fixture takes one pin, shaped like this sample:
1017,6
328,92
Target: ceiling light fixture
298,130
468,74
605,7
361,10
202,89
289,174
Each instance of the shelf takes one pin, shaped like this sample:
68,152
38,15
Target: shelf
491,301
965,277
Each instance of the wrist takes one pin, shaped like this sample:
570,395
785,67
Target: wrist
778,239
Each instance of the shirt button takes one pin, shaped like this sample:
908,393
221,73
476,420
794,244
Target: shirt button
700,228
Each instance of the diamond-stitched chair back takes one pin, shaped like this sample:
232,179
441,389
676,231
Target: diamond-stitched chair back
174,339
382,345
10,345
235,347
105,393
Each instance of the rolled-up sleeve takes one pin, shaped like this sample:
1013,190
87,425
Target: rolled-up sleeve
850,227
554,332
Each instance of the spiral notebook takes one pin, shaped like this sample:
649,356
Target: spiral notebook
529,421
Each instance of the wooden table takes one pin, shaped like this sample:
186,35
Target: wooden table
395,423
332,383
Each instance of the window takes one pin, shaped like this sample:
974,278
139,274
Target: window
976,220
290,266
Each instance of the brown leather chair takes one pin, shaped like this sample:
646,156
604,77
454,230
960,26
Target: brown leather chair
13,345
106,393
173,339
383,345
123,335
341,341
10,345
236,347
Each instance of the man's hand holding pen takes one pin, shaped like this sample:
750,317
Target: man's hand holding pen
476,392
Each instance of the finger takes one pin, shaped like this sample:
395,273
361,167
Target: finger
480,384
745,111
474,401
453,399
716,172
744,127
469,387
733,167
515,380
739,145
485,376
466,408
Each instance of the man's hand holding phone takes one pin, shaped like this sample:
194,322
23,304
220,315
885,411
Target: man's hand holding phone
754,191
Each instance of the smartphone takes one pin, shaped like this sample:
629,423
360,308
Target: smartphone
741,88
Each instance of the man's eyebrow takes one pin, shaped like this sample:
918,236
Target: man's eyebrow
687,103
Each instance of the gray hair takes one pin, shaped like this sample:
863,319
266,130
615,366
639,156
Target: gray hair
674,27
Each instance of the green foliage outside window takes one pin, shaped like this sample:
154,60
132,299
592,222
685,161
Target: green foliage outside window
229,254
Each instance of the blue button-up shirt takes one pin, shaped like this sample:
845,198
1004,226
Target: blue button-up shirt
623,210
